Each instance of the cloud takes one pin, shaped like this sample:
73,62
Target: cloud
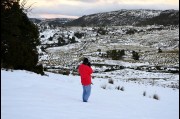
86,1
78,8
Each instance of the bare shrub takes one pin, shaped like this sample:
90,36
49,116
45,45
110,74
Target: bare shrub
122,88
106,77
144,93
104,86
66,72
111,81
155,96
118,88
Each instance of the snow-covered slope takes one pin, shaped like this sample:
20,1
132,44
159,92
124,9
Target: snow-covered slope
117,18
26,95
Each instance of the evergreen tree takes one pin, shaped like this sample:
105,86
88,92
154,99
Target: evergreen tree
108,53
19,38
135,55
114,55
159,50
72,40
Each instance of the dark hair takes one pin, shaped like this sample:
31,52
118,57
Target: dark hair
85,61
89,64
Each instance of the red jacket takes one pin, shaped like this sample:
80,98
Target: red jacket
85,72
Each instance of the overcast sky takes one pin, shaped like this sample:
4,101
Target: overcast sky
78,8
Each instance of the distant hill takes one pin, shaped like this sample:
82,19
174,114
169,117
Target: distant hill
115,18
167,17
35,20
128,17
52,21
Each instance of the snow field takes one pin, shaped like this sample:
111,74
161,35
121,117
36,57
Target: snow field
31,96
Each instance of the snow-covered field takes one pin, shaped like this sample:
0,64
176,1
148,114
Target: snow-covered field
26,95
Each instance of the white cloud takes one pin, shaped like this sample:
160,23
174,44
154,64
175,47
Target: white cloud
77,8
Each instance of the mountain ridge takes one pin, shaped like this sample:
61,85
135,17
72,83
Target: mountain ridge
121,17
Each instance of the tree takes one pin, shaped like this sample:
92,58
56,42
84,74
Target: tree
72,40
159,50
19,38
135,55
50,38
61,41
101,31
114,55
120,54
78,35
99,50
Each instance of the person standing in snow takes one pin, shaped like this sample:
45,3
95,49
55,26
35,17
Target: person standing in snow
85,72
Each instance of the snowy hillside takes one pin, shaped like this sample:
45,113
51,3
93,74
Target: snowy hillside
138,17
26,95
115,18
166,17
129,17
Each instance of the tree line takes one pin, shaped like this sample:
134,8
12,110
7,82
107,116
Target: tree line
118,54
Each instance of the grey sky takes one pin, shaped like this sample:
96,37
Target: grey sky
78,8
